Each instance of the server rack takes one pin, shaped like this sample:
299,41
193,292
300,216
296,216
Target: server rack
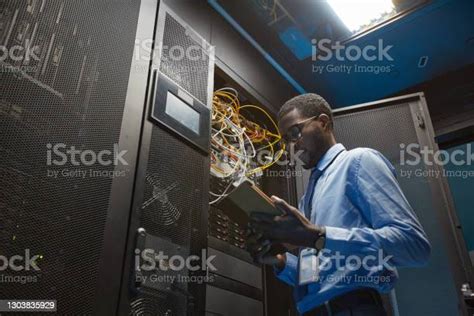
170,203
94,85
64,79
239,284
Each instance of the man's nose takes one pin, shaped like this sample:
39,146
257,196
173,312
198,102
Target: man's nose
297,144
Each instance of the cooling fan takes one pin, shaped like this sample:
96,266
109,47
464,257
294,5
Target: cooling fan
158,204
162,306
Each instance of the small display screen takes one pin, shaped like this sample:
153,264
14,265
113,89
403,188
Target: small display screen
182,112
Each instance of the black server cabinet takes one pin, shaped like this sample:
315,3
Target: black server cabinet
170,203
64,73
87,173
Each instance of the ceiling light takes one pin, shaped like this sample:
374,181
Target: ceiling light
359,14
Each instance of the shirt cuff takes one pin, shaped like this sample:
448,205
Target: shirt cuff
351,241
288,273
336,238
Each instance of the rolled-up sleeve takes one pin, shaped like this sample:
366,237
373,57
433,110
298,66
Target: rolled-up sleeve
289,273
394,227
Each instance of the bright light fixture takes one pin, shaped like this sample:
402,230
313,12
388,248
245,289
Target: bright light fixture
357,13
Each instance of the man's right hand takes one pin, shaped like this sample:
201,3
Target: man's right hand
259,249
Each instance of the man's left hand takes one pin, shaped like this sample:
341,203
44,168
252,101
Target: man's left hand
292,227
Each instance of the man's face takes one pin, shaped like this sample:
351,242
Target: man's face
313,142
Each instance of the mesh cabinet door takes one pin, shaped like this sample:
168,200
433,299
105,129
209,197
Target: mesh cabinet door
171,201
64,89
386,126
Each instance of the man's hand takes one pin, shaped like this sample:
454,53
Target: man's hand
292,227
259,249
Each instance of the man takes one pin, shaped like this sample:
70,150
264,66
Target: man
353,225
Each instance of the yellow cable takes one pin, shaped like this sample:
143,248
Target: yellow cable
225,106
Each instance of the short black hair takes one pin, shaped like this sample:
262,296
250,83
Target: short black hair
308,105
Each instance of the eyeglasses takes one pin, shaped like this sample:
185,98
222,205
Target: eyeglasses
294,133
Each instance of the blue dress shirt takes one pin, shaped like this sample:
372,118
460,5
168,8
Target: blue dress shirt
370,228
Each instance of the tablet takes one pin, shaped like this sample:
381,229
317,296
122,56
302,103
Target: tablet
245,200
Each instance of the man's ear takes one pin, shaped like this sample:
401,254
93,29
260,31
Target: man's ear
325,120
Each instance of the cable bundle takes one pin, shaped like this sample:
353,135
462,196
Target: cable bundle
240,149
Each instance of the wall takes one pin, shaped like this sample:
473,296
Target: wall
461,190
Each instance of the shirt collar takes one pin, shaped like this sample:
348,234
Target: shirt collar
329,156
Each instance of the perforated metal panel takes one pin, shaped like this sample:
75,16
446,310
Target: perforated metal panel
176,184
70,90
384,128
176,194
183,59
148,304
397,128
173,199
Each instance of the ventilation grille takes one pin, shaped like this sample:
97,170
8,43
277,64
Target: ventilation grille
175,198
175,188
348,133
183,60
158,305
